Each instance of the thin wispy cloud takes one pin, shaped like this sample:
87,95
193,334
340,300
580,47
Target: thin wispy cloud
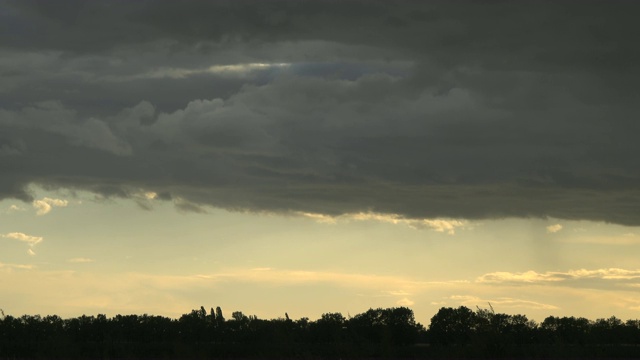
502,302
448,226
532,277
627,239
303,276
16,266
32,241
181,73
524,277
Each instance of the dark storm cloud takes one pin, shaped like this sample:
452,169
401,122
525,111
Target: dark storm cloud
488,110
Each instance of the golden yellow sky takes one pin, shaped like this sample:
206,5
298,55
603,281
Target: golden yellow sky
82,255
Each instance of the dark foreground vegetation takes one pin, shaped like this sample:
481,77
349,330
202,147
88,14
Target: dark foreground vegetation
393,332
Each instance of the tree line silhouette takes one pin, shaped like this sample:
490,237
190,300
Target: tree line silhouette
390,332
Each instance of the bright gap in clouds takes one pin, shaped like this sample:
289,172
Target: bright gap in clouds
231,69
346,70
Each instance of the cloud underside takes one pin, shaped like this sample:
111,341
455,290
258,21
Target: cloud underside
274,113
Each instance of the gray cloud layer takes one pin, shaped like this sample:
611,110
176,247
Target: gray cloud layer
488,110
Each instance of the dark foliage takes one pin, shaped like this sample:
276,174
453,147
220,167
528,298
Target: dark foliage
199,334
393,332
463,332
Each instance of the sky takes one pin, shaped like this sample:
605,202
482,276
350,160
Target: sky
319,156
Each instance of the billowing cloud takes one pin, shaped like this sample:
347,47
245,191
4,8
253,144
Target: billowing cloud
45,205
55,119
266,108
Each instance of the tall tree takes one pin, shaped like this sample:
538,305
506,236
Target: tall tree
219,316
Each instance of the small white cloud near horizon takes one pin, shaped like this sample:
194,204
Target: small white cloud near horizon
405,302
31,240
399,293
81,260
554,228
14,208
45,205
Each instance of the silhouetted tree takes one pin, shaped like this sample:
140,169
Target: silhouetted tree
219,316
608,331
330,328
374,333
495,331
567,330
452,326
393,326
